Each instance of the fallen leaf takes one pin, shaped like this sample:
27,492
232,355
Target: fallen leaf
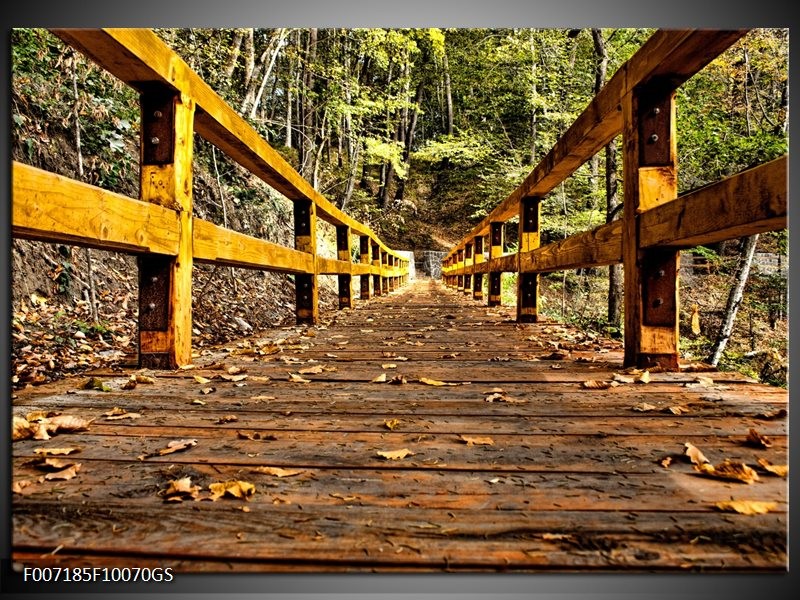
53,464
596,384
234,370
144,379
779,470
695,319
676,410
694,454
478,441
395,454
666,462
20,428
20,485
557,355
173,446
233,377
746,507
207,390
622,378
434,382
401,358
130,384
278,472
556,536
201,380
329,355
644,407
64,474
315,370
118,413
756,439
398,380
187,367
67,423
95,384
56,451
391,424
389,366
227,419
379,379
729,471
643,378
180,489
777,414
236,489
41,415
698,367
295,378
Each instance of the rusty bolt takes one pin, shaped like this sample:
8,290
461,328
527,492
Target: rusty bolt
654,138
154,140
158,114
658,302
154,279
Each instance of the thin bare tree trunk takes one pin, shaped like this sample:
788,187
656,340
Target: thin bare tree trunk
278,44
734,298
89,269
224,209
448,94
237,46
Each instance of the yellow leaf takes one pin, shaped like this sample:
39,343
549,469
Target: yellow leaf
295,378
779,470
144,379
556,536
595,384
644,407
434,382
206,391
666,462
391,424
278,472
677,410
315,370
233,377
746,507
234,370
236,489
695,320
180,488
379,379
65,474
694,454
54,464
622,378
478,441
20,428
395,454
67,423
389,366
729,471
55,451
20,485
644,377
201,380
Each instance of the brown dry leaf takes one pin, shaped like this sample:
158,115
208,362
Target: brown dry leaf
53,464
68,423
173,446
389,354
644,407
777,414
398,380
666,462
233,377
557,355
180,489
95,384
389,366
295,378
643,378
677,410
703,381
746,507
315,370
201,380
379,379
56,451
401,358
622,378
20,485
779,470
434,382
227,419
41,415
187,367
64,474
278,472
20,428
260,379
395,454
596,384
698,367
478,441
556,536
234,370
117,413
130,384
694,454
207,390
236,489
391,424
144,379
756,439
329,355
729,471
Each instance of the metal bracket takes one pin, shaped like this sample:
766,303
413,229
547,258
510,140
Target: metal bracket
530,215
158,127
655,113
659,281
154,284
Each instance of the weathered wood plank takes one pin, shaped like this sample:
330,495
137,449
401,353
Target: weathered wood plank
52,208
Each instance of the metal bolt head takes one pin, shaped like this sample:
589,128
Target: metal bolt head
654,138
151,306
658,302
158,114
155,141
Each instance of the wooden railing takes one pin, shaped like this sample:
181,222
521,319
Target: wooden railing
639,103
159,227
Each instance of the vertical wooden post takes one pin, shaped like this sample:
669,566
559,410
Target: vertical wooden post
477,278
460,269
651,276
528,283
384,272
305,240
495,251
390,278
363,248
377,288
165,283
343,253
468,263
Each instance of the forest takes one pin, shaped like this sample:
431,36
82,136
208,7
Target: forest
418,133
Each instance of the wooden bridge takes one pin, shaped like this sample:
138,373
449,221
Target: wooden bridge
417,429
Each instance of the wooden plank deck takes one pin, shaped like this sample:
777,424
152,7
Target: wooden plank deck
572,481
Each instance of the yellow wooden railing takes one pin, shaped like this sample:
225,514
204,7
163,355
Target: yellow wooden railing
639,103
159,227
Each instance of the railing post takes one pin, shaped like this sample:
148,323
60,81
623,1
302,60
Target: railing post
528,283
165,282
495,251
377,288
477,278
651,276
305,240
468,263
384,272
363,248
343,253
460,270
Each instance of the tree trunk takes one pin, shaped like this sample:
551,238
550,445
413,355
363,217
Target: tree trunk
278,45
307,107
448,94
411,131
735,298
250,56
534,95
235,50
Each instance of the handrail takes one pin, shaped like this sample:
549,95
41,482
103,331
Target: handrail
637,102
159,226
